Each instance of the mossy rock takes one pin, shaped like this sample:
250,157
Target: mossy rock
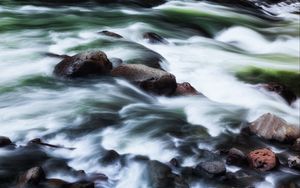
257,75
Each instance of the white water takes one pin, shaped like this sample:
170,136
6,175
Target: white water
29,112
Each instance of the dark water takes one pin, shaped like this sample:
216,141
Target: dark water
209,45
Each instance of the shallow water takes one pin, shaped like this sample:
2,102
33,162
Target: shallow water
209,44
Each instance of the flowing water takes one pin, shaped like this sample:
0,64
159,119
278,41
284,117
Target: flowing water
209,45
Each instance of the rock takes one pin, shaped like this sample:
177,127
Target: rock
154,38
31,177
110,34
143,3
149,79
4,141
161,176
175,162
109,157
58,183
262,159
84,64
185,88
296,145
236,157
294,162
214,168
38,141
281,90
272,127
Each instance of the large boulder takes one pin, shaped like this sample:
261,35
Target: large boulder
262,159
84,64
149,79
273,127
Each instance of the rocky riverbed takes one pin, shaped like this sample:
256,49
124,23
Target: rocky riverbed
149,93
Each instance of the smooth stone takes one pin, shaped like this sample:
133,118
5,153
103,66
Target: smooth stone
272,127
149,79
212,167
185,88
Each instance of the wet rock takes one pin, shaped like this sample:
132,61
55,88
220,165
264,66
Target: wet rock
294,162
175,162
84,64
109,157
154,38
272,127
97,177
38,141
58,183
185,88
115,62
4,141
110,34
236,157
161,176
214,168
32,177
296,145
281,90
262,159
49,54
149,79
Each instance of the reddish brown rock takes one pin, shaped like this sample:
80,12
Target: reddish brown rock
262,159
272,127
185,88
84,64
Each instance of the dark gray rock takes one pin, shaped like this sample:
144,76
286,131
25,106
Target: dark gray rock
84,64
294,162
31,177
214,168
236,157
154,38
149,79
110,34
161,176
4,141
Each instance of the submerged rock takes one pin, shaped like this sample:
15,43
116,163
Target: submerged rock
115,61
149,79
110,34
185,88
84,64
296,145
161,176
109,157
281,90
262,159
32,177
294,162
214,168
270,127
236,157
154,38
4,141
